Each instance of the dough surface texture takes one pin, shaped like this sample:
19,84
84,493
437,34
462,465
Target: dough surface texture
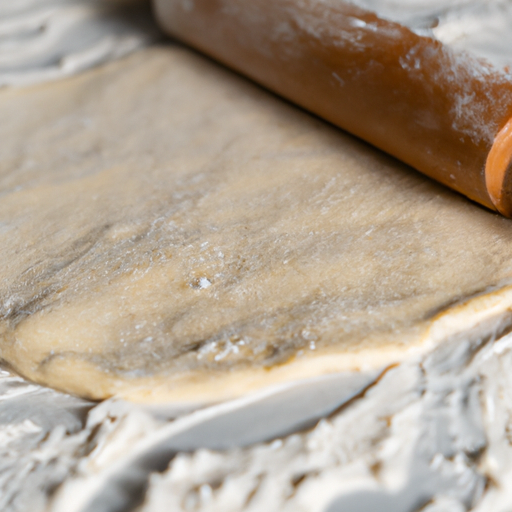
171,232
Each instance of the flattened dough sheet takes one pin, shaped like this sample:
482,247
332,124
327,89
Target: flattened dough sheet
171,232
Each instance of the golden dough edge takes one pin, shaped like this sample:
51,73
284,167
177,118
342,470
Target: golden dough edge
491,311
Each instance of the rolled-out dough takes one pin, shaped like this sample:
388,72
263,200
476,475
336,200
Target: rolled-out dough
171,232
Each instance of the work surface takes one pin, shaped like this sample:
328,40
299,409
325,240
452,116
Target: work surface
175,235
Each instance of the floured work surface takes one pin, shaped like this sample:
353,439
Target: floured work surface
44,40
171,232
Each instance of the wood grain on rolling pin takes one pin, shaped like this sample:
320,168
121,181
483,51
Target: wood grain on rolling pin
444,112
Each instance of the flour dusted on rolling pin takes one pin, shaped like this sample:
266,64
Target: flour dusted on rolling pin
438,108
482,28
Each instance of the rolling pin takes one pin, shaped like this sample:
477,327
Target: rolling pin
444,112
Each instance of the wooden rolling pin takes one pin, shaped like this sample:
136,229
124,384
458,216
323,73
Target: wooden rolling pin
442,111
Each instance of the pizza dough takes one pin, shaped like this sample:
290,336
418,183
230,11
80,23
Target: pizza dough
172,232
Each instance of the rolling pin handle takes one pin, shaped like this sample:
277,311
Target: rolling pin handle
498,171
